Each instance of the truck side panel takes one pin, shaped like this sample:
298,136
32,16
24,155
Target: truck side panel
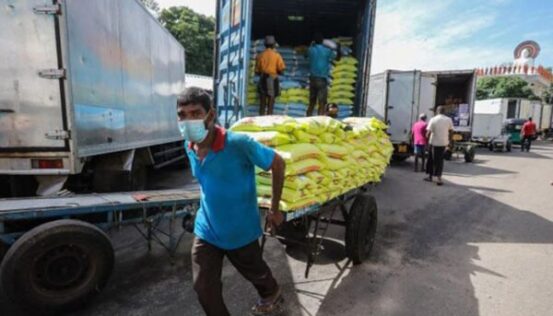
30,106
376,103
232,58
402,104
125,71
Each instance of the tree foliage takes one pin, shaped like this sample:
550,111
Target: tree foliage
195,32
151,4
503,87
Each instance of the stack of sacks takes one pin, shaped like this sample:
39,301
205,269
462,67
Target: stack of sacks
344,77
324,158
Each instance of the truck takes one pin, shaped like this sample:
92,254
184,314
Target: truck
518,108
292,24
488,131
399,97
77,80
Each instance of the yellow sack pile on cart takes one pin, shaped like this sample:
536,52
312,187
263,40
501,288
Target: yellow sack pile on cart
324,157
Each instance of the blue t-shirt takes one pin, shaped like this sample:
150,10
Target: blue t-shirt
320,58
228,217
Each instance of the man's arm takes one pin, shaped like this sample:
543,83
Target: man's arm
275,216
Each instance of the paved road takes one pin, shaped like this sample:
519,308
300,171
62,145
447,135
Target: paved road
480,245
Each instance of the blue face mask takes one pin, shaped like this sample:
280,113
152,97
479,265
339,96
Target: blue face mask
193,130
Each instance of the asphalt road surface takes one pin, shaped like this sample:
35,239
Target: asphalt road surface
480,245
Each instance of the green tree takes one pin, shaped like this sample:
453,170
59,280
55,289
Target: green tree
195,32
151,4
503,87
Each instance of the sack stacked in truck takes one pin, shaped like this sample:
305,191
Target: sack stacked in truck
344,78
323,158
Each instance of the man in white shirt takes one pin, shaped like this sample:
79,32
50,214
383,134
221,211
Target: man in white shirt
437,131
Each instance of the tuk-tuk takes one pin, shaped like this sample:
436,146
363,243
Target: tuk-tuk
513,127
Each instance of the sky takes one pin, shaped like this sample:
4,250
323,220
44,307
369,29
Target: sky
447,34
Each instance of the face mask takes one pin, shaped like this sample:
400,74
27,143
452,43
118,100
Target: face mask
193,130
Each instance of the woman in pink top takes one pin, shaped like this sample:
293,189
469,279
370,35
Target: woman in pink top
420,141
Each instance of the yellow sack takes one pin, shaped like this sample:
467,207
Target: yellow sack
333,151
317,176
303,166
344,67
329,138
341,87
296,152
343,84
285,206
344,74
336,164
270,139
342,94
297,92
343,101
304,137
347,61
288,195
276,123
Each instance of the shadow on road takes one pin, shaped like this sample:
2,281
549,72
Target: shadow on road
423,260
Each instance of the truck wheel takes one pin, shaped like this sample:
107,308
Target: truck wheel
469,154
3,250
57,266
361,228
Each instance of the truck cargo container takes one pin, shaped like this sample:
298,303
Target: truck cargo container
292,23
85,85
399,97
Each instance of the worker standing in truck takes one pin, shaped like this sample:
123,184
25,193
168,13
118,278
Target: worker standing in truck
228,223
320,59
269,65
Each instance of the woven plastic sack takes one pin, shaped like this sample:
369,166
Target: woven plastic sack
347,61
344,74
341,101
271,139
342,94
304,137
344,81
342,87
335,164
288,195
344,67
297,152
265,123
286,206
303,166
333,150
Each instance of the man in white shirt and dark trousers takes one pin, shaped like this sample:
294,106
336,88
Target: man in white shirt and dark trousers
437,131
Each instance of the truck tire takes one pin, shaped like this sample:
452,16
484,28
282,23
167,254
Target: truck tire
57,266
361,228
470,153
3,250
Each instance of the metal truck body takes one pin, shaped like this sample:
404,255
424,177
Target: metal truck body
399,97
80,79
517,108
292,23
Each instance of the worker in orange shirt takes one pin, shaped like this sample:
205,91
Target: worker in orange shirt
269,65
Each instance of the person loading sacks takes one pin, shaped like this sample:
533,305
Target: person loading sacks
320,58
269,64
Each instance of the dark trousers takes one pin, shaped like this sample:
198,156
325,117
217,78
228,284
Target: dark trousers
526,143
207,265
435,162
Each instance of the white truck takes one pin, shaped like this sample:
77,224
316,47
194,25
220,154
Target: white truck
398,97
518,108
87,95
487,130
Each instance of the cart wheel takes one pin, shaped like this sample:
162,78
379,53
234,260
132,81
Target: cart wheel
469,154
448,154
509,146
292,232
3,250
361,228
57,266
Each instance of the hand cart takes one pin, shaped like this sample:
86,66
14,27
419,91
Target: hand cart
307,227
55,254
